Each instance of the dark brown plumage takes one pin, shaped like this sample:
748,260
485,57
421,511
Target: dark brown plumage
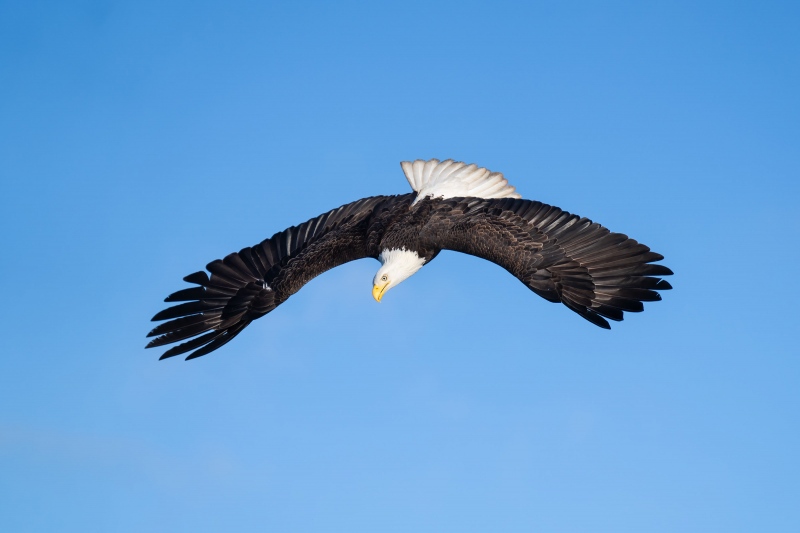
561,257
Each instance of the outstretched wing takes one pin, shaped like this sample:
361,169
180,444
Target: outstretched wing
560,256
250,283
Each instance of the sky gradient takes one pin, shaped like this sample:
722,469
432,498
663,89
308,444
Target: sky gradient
141,140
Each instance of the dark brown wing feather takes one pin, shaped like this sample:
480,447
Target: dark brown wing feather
560,256
252,282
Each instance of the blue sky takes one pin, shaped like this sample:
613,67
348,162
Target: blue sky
140,140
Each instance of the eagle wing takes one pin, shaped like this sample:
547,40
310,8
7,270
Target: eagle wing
559,256
250,283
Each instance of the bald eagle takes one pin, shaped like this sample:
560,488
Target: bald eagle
559,256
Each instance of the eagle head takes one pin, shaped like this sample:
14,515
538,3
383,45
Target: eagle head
397,265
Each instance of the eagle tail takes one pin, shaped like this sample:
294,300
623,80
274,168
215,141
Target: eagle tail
448,179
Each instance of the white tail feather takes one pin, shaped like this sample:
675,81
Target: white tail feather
450,179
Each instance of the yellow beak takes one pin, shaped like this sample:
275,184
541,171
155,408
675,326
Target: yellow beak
377,292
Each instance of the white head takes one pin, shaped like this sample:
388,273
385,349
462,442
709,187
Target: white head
397,266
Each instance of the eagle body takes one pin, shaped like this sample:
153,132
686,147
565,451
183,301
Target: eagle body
559,256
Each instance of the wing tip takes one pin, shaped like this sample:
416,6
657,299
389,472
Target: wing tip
663,285
199,278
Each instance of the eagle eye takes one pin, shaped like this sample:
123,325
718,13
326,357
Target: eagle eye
384,278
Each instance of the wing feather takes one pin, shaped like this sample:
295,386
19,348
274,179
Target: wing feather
253,281
562,257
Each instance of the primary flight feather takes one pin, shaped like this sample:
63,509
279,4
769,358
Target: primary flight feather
559,256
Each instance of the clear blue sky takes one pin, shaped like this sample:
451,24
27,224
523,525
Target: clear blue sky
140,140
